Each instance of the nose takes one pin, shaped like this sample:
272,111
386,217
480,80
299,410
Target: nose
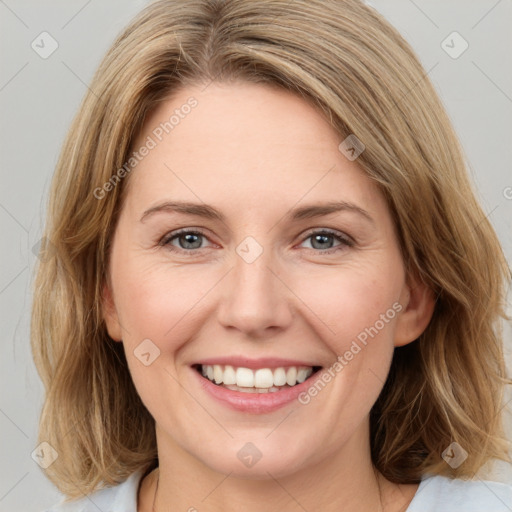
255,299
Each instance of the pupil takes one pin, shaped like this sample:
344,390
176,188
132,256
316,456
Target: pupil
189,240
321,239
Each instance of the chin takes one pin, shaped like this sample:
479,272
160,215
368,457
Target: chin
258,461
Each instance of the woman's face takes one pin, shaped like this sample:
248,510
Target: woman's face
266,284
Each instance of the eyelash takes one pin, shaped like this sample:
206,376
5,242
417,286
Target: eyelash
345,240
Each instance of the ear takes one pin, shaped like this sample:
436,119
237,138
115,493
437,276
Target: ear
110,314
418,302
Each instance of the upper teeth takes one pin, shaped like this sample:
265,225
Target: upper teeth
260,378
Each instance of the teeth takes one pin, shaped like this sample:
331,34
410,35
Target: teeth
279,377
263,379
217,374
273,389
302,375
229,376
244,378
291,376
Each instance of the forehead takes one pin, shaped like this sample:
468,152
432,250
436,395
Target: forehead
244,144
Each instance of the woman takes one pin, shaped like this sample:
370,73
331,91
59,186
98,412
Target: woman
271,285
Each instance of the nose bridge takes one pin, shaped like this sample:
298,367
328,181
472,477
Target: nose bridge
255,299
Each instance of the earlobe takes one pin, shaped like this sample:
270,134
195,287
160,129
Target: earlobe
110,314
418,302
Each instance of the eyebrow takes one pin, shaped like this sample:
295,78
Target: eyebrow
209,212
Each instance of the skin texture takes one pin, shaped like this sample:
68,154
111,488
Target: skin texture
254,153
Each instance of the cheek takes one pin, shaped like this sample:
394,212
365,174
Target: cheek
352,303
159,301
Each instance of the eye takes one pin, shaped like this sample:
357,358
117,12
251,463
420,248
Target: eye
187,240
323,240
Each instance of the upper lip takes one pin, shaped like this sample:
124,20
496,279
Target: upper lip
264,362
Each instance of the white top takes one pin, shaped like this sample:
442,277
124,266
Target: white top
434,494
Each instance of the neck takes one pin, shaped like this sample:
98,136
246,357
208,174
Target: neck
182,482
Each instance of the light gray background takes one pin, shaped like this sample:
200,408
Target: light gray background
39,97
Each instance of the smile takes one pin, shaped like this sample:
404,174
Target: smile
254,385
260,380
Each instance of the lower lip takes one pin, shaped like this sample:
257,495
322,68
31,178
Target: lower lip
257,403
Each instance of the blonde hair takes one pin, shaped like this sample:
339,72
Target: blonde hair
345,58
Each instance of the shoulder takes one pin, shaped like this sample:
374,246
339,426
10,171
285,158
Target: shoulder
120,498
442,494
